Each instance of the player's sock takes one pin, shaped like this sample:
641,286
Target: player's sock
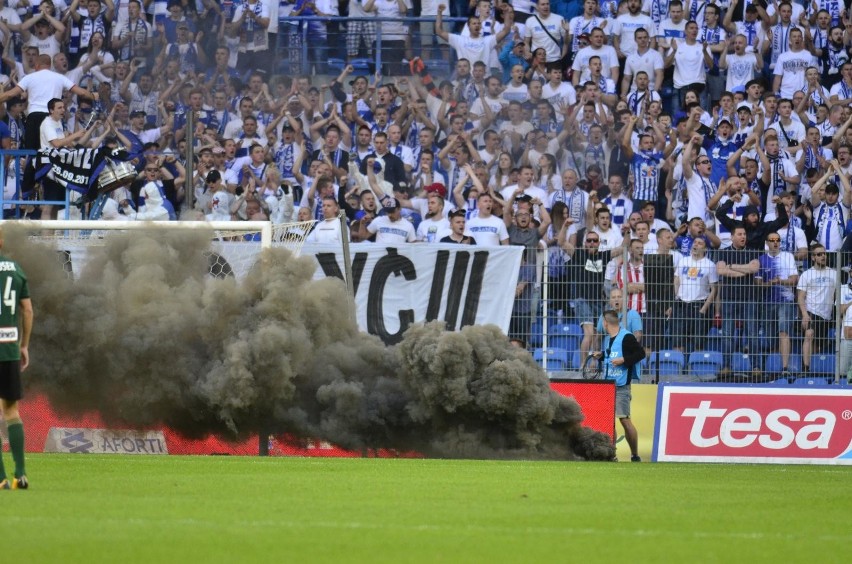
2,468
16,444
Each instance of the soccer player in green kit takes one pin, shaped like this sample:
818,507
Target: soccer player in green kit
16,323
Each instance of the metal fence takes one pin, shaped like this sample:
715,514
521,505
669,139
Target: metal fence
323,46
739,316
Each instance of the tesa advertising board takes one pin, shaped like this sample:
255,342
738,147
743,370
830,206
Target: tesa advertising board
782,425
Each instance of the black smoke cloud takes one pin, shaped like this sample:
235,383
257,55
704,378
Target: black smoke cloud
145,336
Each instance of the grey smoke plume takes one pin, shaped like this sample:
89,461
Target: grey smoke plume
146,336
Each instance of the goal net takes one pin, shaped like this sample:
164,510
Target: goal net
235,246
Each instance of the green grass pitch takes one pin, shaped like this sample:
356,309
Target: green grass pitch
89,508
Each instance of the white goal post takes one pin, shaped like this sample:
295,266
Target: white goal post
235,245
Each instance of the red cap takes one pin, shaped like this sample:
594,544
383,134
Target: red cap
437,187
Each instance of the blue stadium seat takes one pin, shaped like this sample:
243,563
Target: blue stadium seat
557,359
705,365
361,67
670,363
740,363
566,336
823,364
812,381
780,382
336,64
774,365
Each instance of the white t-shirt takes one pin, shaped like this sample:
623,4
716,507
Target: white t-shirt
689,64
540,37
791,68
818,285
626,25
565,93
473,50
433,230
695,277
794,131
326,231
41,87
609,60
650,62
487,231
741,69
699,191
392,232
50,129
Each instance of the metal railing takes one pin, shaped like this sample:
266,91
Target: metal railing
18,202
321,45
751,330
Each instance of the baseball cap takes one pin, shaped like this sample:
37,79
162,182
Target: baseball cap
744,106
438,188
213,176
390,205
138,113
725,120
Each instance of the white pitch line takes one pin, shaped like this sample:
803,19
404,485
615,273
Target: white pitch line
426,527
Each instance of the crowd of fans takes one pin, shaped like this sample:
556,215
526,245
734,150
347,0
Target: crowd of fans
694,155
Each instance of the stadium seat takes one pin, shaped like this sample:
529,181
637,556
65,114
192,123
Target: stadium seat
557,359
566,336
336,64
740,363
812,381
780,382
705,365
361,67
775,367
670,363
822,364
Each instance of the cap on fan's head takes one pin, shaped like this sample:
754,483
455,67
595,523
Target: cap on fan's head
138,113
744,106
437,188
390,205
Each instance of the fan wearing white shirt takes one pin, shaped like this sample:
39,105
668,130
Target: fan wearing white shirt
644,59
391,228
487,229
791,65
608,55
327,231
625,27
816,304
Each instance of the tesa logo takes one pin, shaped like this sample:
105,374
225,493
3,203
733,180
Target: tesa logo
754,424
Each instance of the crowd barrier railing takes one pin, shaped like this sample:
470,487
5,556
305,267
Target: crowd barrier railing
749,331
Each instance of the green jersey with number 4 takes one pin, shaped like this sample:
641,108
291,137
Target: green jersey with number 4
13,287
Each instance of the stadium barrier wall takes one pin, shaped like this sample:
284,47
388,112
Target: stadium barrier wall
51,431
754,424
